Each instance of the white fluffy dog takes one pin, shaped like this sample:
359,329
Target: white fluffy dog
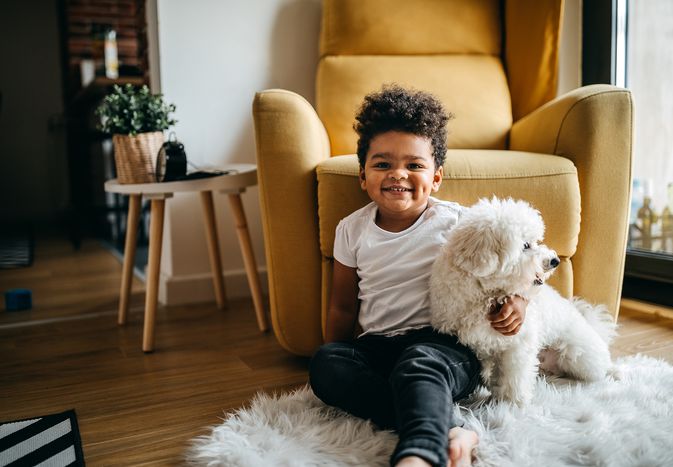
493,252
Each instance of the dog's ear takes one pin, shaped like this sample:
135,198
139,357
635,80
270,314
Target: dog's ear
474,251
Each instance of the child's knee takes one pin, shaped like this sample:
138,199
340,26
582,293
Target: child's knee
326,368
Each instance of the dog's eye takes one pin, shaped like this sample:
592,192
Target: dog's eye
526,246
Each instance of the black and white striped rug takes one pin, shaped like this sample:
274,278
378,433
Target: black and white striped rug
16,248
52,440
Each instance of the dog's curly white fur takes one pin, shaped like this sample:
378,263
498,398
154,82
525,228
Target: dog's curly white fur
493,252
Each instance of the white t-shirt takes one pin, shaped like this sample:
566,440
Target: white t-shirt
393,267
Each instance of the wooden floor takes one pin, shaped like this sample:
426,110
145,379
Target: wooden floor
137,409
133,409
645,330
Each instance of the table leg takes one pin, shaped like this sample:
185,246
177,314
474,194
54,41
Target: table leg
153,269
213,248
129,257
248,259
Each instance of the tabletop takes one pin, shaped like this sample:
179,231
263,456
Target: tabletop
236,178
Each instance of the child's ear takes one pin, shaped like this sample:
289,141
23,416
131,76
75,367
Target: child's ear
437,178
472,253
363,182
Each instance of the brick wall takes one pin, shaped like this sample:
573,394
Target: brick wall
85,21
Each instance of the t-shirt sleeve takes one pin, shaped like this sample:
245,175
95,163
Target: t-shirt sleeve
449,214
343,252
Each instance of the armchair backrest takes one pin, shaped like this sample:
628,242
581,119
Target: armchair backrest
456,49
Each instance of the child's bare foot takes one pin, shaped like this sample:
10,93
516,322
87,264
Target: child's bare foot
412,461
461,444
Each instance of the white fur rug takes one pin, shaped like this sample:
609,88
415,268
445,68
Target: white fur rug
612,423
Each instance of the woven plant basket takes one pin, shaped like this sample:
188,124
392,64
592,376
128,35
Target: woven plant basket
135,156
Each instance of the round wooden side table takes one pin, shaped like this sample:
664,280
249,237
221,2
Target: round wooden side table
233,182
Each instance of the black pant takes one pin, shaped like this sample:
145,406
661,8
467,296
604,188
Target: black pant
407,383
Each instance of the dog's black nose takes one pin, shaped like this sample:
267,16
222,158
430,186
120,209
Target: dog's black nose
554,262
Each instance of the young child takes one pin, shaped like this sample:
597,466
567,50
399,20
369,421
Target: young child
399,372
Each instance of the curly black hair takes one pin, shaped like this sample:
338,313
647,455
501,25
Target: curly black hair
395,108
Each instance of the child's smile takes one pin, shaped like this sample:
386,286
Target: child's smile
397,189
399,176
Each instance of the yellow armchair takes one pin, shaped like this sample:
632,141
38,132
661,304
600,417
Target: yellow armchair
493,66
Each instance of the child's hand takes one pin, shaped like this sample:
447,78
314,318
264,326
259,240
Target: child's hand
508,318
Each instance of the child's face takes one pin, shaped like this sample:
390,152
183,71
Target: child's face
399,173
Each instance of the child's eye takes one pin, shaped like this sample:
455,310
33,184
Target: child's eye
381,165
415,166
526,246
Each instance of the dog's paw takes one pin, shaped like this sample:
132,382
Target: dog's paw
516,397
614,373
549,362
487,374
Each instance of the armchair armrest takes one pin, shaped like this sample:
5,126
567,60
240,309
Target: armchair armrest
290,140
593,127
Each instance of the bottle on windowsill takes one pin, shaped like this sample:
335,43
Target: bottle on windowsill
647,219
667,223
111,59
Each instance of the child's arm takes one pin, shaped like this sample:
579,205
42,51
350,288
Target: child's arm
508,319
343,306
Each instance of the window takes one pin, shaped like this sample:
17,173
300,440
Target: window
630,44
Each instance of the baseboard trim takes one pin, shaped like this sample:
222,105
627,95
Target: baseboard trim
198,288
648,308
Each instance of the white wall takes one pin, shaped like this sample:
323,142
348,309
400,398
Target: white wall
214,55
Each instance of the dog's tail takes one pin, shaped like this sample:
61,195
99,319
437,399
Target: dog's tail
598,318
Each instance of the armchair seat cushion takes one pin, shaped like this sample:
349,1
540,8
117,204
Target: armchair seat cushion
548,182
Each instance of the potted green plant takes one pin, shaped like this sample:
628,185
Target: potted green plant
136,119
